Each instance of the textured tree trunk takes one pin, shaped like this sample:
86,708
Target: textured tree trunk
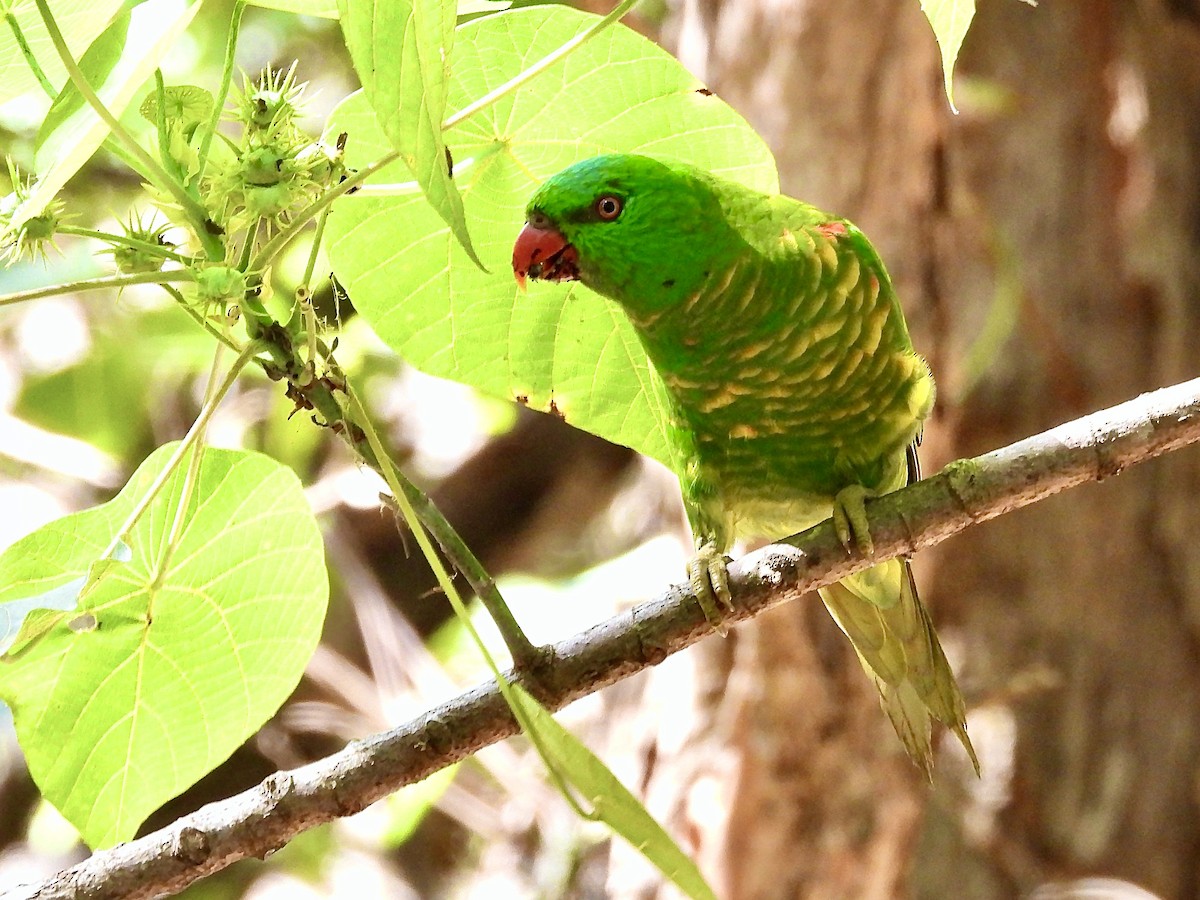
1046,246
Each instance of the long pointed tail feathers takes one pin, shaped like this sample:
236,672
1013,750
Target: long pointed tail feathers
880,612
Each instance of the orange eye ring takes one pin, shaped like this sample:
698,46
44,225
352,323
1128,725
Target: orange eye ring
608,207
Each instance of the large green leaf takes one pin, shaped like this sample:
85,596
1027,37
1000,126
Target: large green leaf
153,27
559,346
80,21
172,658
950,20
401,51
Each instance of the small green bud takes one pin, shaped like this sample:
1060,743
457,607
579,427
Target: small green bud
132,260
219,285
262,167
273,103
31,234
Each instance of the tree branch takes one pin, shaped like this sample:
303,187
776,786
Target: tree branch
966,492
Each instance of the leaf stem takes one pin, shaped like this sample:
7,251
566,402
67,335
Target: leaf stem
304,291
160,125
235,25
93,284
111,145
402,490
540,66
252,235
400,496
316,246
189,481
150,166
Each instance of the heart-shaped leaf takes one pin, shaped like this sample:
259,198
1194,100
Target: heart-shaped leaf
179,648
560,348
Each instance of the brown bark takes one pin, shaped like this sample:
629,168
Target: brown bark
1066,194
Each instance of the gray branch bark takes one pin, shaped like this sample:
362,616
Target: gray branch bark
967,492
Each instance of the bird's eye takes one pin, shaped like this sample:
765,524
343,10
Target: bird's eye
608,207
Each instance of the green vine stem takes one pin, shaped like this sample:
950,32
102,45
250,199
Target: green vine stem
95,284
160,125
400,495
312,253
235,25
192,475
318,395
304,291
408,496
149,164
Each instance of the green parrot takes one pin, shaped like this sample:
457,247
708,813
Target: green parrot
796,392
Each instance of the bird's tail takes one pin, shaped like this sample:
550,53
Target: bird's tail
880,612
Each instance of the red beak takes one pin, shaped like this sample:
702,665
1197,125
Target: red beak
543,253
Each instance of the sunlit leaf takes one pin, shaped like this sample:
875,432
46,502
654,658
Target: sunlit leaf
401,51
153,28
328,9
324,9
80,21
560,346
96,64
186,104
170,660
476,7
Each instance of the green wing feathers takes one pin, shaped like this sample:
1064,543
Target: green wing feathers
880,612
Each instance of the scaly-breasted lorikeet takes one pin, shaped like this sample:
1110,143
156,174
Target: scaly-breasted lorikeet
796,391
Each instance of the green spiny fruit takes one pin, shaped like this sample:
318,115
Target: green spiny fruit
796,389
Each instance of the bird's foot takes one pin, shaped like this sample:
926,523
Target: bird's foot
708,573
850,519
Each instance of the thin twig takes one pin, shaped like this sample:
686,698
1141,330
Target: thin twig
214,122
265,818
95,284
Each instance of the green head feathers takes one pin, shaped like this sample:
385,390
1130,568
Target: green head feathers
635,229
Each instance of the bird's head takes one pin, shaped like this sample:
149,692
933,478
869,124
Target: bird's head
632,228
